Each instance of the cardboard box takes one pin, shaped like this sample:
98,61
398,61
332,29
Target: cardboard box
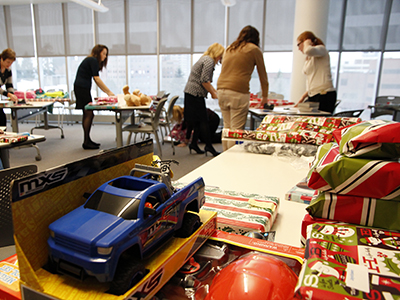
162,265
9,279
220,251
350,262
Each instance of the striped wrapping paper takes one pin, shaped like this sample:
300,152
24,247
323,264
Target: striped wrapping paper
235,212
363,211
335,173
239,214
370,139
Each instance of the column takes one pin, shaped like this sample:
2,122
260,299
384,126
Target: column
310,15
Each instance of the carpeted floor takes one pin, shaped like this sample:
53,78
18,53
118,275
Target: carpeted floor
56,151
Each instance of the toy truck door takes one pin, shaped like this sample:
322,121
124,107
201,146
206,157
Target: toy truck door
163,221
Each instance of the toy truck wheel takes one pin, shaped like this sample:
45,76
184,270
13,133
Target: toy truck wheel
190,224
128,273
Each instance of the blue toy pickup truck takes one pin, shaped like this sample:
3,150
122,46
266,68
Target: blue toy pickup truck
124,220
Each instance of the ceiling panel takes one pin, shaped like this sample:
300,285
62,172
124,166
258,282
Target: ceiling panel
19,2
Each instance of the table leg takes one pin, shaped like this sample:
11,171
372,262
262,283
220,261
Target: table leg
14,120
5,158
46,125
396,116
251,121
118,127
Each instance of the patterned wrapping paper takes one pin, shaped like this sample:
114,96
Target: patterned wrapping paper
292,129
308,220
332,172
301,195
362,211
10,138
239,212
370,139
350,262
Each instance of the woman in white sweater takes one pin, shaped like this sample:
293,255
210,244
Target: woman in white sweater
317,68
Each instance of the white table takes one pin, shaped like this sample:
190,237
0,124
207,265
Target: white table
30,142
239,170
32,109
122,113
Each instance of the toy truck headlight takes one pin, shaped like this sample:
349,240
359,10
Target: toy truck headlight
52,234
104,251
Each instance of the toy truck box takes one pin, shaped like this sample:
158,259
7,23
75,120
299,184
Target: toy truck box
42,198
123,221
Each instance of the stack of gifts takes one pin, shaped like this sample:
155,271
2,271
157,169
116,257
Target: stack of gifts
358,179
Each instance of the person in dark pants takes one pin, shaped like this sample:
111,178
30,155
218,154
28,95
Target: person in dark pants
88,69
7,57
317,68
196,89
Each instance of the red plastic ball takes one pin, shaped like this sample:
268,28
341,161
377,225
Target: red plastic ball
254,276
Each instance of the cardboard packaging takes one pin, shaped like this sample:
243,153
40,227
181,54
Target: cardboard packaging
220,251
40,199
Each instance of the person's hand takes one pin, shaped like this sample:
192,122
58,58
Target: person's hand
264,100
214,95
110,94
13,97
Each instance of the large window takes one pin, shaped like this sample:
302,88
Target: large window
153,43
25,75
53,73
175,70
142,73
390,76
357,79
279,70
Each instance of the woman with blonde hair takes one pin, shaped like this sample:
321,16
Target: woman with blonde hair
317,68
196,90
240,59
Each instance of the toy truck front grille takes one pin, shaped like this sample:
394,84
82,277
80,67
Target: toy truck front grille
73,245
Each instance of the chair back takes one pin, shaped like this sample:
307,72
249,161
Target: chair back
156,117
376,111
349,113
6,177
337,104
171,107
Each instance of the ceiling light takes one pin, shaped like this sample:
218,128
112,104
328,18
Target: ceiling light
228,2
97,6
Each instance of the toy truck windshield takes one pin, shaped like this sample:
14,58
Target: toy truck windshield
124,207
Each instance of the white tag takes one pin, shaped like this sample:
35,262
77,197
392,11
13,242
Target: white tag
357,277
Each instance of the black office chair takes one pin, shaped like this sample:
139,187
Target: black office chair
349,113
337,104
382,100
6,177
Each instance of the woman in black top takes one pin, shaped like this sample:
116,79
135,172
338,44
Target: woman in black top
88,69
7,57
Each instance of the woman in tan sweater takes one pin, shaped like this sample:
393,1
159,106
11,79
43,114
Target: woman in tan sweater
233,84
